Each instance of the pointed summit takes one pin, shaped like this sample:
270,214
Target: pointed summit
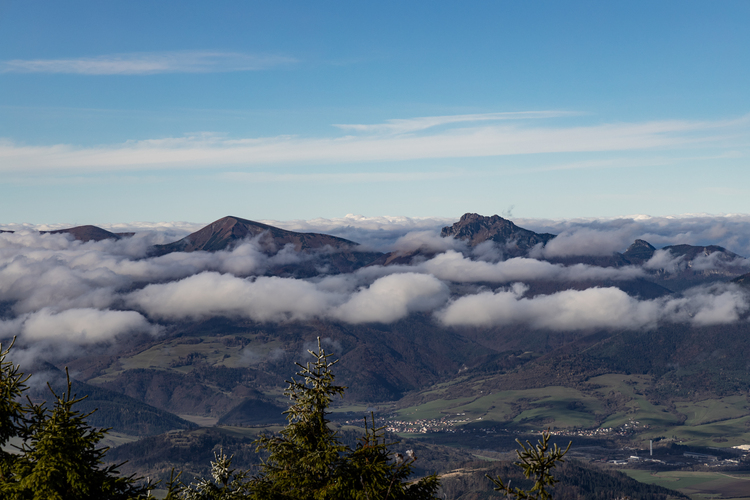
639,252
334,254
475,229
226,232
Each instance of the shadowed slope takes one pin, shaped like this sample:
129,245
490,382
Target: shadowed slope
228,231
332,253
89,233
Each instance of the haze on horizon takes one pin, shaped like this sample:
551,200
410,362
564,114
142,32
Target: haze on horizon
174,111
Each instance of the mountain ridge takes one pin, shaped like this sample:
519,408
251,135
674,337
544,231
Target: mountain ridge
89,233
223,233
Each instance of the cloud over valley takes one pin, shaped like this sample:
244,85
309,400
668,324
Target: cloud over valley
55,289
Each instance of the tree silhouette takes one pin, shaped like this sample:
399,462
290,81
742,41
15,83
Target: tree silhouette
537,462
307,460
60,458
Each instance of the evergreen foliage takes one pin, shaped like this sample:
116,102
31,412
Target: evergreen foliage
537,462
374,475
308,461
60,458
227,483
12,386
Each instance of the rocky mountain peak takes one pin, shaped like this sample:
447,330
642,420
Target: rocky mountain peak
224,233
335,254
475,229
639,251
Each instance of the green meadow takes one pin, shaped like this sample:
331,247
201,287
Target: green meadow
607,401
699,485
180,354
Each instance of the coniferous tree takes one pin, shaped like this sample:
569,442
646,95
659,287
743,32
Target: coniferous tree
307,460
12,386
305,456
227,483
60,458
537,462
372,471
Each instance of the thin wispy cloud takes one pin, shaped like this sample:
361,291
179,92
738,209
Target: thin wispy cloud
215,151
625,162
401,126
341,178
149,63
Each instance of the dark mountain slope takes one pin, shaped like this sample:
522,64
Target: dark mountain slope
183,393
743,280
89,233
224,233
190,452
684,363
578,481
113,409
377,363
691,252
322,251
255,410
691,265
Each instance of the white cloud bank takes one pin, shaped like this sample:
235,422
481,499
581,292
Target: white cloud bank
208,294
213,294
594,308
83,326
453,266
76,326
53,288
392,298
603,235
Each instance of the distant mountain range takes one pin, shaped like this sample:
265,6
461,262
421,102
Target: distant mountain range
335,255
515,241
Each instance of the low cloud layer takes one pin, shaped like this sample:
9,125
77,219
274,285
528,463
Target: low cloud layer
213,294
208,294
392,298
587,241
54,289
77,326
453,266
730,231
594,308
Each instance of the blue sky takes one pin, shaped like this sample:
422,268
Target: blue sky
152,111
